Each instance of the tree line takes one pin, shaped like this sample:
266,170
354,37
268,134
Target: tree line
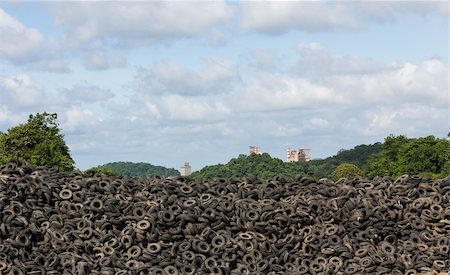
426,156
39,142
140,169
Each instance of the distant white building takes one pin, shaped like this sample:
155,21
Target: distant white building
185,170
255,150
298,155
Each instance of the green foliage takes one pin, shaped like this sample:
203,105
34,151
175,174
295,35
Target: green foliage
3,157
140,169
428,156
346,170
266,167
423,156
385,162
320,168
102,171
38,142
392,145
359,155
263,166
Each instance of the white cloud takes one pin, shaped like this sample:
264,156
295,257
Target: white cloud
217,76
50,64
20,90
349,85
16,40
4,113
152,109
171,93
274,17
217,38
270,92
172,109
194,109
284,130
7,118
103,59
21,96
79,119
263,59
27,46
320,78
426,83
138,22
343,99
319,95
318,122
382,11
408,119
86,93
277,17
207,130
314,61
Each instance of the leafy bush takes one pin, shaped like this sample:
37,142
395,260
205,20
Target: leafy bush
346,170
262,166
38,142
102,171
140,169
400,155
265,167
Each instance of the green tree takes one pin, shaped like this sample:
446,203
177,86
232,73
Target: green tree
3,157
424,155
346,170
262,166
38,142
428,156
358,155
385,163
103,171
392,146
140,169
265,167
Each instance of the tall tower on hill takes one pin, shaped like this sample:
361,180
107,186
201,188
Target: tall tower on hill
185,170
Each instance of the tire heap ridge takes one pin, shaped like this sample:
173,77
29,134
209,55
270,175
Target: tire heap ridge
53,222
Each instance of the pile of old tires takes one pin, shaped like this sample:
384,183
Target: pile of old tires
53,222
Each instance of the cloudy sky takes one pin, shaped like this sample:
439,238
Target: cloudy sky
169,82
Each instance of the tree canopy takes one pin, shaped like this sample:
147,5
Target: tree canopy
102,171
359,155
38,142
262,166
140,169
265,167
346,170
428,156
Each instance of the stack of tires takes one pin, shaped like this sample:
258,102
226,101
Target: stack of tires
53,222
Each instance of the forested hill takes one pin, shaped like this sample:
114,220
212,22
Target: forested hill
359,155
426,156
140,169
265,167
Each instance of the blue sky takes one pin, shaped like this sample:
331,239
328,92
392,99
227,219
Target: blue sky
170,82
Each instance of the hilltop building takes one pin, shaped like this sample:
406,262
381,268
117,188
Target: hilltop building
298,155
185,170
255,150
